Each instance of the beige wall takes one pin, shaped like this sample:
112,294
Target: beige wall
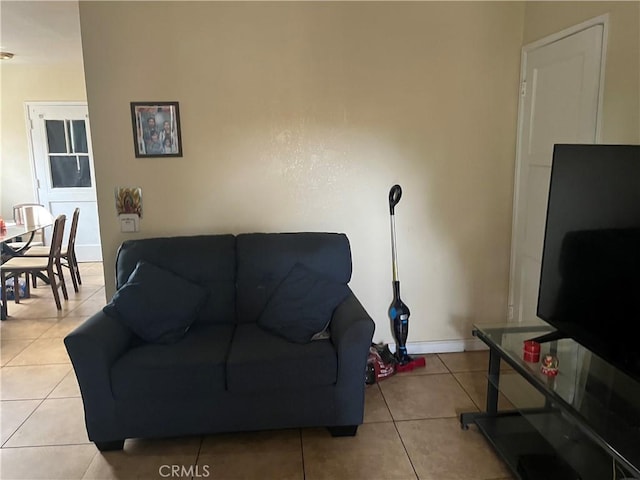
621,106
20,84
301,116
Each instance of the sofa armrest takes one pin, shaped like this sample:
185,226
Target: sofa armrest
351,332
94,347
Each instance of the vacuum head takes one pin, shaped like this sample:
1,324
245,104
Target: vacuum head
412,363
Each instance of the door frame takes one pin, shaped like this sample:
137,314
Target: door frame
91,251
526,49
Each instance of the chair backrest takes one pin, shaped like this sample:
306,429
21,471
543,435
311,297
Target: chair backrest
72,232
56,239
18,211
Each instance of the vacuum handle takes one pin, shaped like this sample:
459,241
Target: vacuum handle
395,194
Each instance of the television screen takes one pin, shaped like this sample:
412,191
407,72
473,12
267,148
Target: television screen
590,277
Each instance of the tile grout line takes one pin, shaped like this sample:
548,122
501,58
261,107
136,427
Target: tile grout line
197,454
395,426
304,471
466,392
23,422
445,364
89,464
48,397
48,445
453,374
406,451
38,365
23,349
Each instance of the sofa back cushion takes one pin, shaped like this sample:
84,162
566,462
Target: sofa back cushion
265,259
207,260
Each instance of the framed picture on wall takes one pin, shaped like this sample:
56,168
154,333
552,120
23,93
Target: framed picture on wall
156,129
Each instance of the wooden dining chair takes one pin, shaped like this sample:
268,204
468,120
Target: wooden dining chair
33,265
67,254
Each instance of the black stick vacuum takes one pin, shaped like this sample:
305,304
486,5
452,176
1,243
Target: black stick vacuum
398,311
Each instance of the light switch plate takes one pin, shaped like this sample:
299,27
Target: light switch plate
129,223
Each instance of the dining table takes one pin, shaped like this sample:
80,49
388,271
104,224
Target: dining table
13,232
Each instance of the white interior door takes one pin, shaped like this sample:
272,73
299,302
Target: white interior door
63,164
561,94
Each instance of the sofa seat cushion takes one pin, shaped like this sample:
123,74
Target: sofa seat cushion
260,361
194,366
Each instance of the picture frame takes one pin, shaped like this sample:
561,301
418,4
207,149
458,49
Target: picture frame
128,200
156,129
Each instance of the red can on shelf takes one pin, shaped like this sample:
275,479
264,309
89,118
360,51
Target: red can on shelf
531,351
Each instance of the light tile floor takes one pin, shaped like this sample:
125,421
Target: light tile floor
411,429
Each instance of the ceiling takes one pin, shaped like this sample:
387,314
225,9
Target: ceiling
40,32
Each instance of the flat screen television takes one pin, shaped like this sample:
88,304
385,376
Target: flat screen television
590,277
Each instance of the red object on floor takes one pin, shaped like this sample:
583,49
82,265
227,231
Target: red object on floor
381,370
413,363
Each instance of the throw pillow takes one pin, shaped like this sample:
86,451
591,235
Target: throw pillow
302,305
158,305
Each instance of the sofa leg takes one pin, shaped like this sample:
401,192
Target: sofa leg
108,446
343,431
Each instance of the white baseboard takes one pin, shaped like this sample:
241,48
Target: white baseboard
443,346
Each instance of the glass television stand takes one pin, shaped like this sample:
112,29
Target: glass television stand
583,423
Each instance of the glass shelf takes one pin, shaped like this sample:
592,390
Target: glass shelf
588,415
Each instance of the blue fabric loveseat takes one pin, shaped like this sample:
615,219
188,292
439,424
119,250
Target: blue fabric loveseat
225,371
